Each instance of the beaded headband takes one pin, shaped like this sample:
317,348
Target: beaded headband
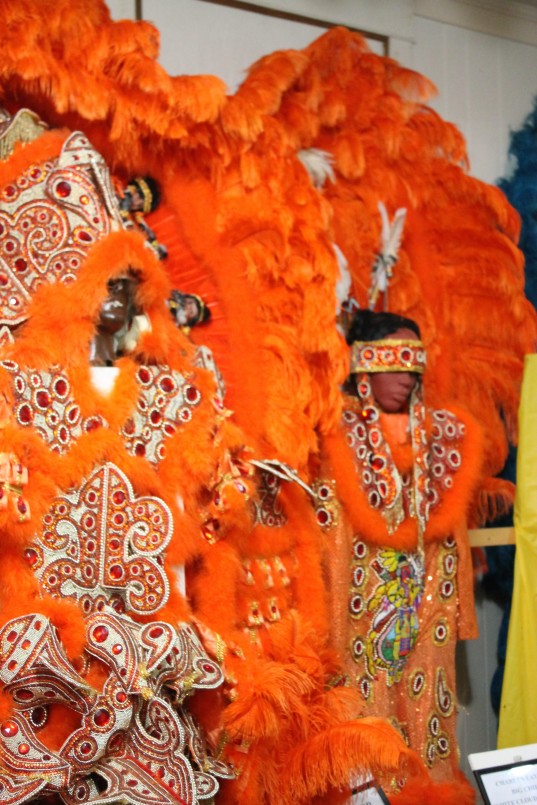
143,188
388,355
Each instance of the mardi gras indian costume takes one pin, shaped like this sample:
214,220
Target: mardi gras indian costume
98,656
400,569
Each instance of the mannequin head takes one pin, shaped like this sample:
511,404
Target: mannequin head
188,309
115,317
391,390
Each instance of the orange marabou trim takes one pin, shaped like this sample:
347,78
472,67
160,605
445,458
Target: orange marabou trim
45,147
450,513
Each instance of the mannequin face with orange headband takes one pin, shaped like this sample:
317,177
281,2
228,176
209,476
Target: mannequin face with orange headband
392,390
383,346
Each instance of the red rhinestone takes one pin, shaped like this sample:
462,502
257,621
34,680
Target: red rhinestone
73,414
30,554
23,749
93,424
322,517
60,387
25,695
191,394
116,572
85,748
20,264
117,649
10,191
3,279
155,417
25,414
121,697
39,716
156,631
84,236
167,384
12,636
208,668
21,506
116,742
43,399
140,449
100,633
12,665
9,729
25,644
377,463
63,189
118,497
144,374
169,429
129,427
101,717
114,544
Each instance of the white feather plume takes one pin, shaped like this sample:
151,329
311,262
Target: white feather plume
319,165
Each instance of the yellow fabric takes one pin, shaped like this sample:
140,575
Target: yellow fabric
518,712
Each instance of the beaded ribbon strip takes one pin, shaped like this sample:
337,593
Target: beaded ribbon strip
388,355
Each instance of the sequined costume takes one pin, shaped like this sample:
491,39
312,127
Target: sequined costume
400,568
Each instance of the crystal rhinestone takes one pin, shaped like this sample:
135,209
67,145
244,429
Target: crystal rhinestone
100,633
9,728
63,189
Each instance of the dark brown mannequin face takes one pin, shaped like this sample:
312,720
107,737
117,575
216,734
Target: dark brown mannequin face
392,390
116,310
